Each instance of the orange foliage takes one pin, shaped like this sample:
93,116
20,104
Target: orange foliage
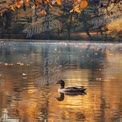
59,2
38,1
75,2
83,4
19,3
79,5
46,1
27,2
43,12
13,8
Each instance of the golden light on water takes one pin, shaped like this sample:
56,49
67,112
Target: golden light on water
98,70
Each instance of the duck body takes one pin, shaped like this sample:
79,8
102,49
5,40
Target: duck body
72,90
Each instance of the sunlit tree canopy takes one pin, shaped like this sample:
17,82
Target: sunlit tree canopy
74,15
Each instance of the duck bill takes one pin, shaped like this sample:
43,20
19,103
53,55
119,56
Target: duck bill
55,83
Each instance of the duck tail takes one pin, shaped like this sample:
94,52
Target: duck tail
83,90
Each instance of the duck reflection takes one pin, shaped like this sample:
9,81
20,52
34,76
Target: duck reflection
62,95
60,98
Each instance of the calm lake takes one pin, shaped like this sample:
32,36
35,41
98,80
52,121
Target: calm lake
29,70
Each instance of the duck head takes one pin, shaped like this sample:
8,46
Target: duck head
61,82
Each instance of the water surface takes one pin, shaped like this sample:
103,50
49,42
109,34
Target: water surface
28,71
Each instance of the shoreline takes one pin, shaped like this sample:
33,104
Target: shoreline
56,41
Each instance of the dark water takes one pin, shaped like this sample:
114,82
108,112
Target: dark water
28,71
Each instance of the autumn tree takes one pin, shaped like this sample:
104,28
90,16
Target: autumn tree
68,12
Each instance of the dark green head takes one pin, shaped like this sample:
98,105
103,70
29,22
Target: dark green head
61,82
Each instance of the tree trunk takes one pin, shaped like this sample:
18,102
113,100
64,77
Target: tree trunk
69,26
85,24
46,23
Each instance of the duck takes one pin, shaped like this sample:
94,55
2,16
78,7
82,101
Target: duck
71,90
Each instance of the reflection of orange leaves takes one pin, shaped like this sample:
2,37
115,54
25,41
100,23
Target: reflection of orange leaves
28,108
83,4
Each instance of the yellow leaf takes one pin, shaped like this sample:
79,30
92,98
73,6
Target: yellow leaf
33,7
75,9
18,4
71,10
13,8
83,4
43,12
59,2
